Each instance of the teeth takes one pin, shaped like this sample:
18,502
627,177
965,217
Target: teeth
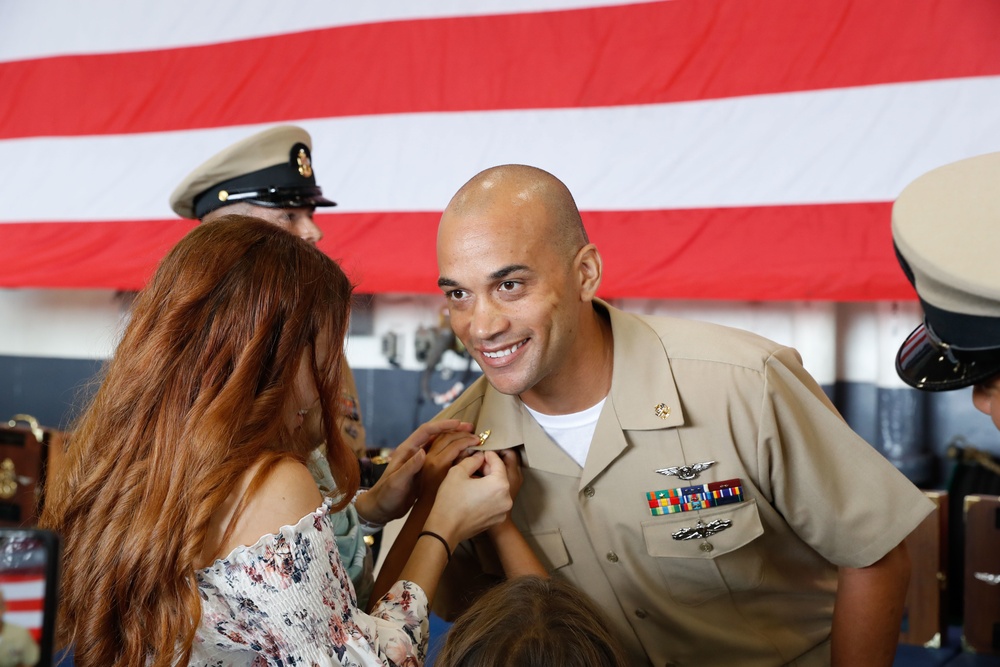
502,353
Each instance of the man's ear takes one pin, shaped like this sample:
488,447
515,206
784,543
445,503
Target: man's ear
589,266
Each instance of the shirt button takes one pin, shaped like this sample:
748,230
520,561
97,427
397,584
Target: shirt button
589,492
612,556
706,546
641,613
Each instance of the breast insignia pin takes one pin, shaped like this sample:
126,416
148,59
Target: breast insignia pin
687,472
702,530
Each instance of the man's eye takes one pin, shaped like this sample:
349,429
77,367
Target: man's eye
456,294
508,285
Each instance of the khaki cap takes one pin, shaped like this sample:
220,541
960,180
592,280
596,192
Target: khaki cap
946,230
271,168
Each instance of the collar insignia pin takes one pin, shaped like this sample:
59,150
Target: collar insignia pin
483,437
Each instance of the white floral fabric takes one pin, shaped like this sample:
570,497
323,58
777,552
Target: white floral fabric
287,601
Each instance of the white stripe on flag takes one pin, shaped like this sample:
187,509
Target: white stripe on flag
26,619
24,590
833,146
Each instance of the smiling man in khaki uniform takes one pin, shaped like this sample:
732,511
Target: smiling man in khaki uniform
693,479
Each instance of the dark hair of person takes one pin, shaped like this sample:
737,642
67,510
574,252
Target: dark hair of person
531,622
194,395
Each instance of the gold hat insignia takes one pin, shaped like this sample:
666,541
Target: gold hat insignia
305,164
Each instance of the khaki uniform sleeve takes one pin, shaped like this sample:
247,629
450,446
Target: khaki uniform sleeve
836,491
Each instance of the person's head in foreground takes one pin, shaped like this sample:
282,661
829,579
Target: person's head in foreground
236,336
531,622
268,175
946,230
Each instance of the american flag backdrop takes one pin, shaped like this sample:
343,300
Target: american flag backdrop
719,149
24,593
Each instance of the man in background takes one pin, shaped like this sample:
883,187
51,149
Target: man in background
946,231
269,175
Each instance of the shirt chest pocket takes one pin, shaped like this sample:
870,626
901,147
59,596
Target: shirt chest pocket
549,547
699,569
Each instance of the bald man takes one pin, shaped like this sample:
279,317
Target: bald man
692,478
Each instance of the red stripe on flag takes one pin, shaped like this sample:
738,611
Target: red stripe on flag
22,575
828,252
119,255
634,54
28,604
839,252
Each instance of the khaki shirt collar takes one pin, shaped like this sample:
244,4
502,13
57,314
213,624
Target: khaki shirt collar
641,381
642,378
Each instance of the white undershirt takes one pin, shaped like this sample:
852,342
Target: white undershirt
574,432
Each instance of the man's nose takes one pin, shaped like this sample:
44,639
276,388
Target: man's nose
488,319
307,230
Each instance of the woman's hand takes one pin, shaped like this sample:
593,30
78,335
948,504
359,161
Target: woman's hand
446,450
466,503
397,488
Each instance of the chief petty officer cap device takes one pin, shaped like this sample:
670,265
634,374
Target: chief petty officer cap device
946,231
271,168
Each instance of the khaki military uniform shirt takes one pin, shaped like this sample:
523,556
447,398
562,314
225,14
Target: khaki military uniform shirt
758,593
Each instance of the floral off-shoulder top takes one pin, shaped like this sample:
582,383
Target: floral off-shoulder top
287,601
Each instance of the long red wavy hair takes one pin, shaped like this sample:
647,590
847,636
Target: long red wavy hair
194,395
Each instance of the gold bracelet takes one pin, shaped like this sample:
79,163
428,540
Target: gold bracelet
443,541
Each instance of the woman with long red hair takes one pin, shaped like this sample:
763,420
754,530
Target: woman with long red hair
193,531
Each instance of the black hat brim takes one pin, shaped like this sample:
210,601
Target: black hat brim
303,198
925,363
300,202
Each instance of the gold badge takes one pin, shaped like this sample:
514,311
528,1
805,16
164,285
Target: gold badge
662,410
483,437
305,164
223,195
